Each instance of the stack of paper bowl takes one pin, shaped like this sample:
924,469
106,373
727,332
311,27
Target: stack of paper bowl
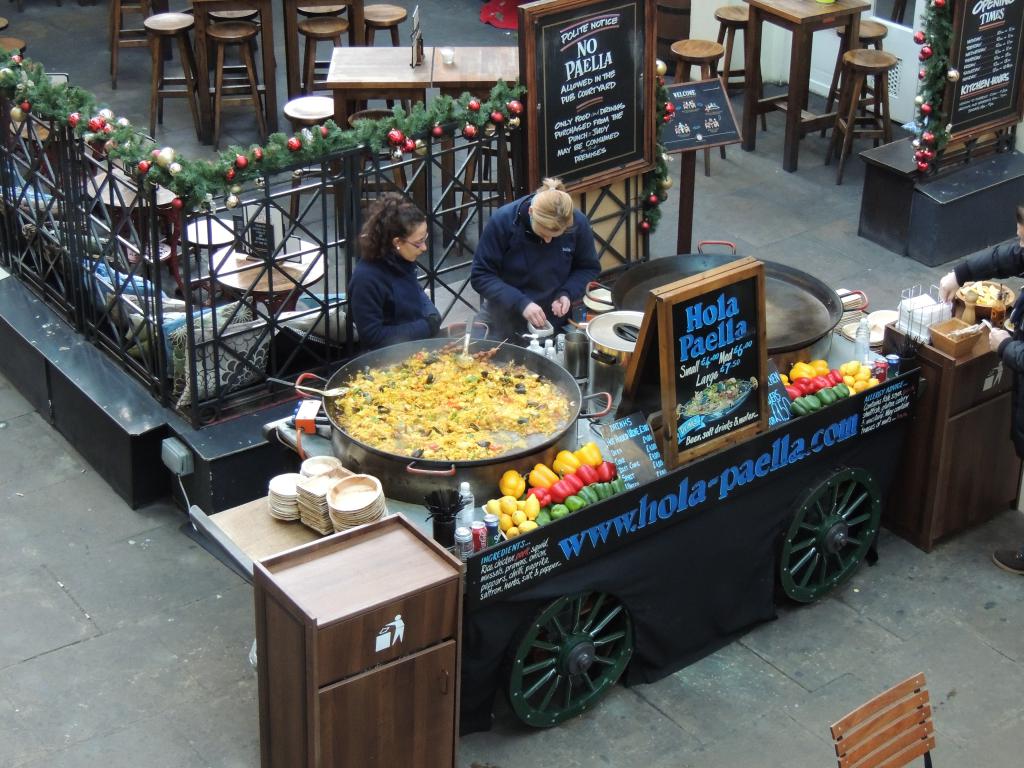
356,500
319,465
313,510
283,496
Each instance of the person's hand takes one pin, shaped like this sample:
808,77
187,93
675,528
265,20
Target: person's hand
996,337
535,315
560,306
948,286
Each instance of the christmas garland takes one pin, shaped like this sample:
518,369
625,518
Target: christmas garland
196,182
930,122
657,181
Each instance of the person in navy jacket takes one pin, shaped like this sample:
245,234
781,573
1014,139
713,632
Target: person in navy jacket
387,302
534,259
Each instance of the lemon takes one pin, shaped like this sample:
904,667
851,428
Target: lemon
504,522
527,526
518,517
511,533
863,373
532,508
860,385
507,504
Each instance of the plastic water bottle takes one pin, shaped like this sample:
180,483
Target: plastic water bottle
549,349
468,505
862,342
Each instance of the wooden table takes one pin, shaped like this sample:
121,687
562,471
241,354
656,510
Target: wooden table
290,11
475,68
279,287
202,9
360,74
803,18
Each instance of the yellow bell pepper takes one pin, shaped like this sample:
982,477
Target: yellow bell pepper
542,476
565,463
820,367
512,484
588,454
802,371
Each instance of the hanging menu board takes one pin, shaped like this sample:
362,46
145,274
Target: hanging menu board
632,448
702,117
986,51
710,341
589,72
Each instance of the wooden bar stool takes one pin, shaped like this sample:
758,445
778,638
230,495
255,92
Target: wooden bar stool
124,37
872,34
242,34
305,112
322,10
733,18
13,44
858,65
382,16
168,26
314,30
4,23
705,55
245,14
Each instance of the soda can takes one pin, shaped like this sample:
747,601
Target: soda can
894,364
493,532
479,531
463,542
879,369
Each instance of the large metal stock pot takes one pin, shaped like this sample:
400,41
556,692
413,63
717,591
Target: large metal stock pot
409,479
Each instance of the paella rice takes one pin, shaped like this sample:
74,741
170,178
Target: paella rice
447,406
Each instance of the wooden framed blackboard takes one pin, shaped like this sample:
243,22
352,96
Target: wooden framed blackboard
632,447
703,117
986,51
588,66
708,334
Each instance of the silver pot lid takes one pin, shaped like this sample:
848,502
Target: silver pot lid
617,330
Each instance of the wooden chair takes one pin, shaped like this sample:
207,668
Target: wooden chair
890,730
858,66
703,54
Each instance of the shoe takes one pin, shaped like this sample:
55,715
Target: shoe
1010,560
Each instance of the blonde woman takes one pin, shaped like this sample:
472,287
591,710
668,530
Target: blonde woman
534,259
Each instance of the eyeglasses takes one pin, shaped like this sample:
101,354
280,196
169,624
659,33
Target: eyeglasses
421,244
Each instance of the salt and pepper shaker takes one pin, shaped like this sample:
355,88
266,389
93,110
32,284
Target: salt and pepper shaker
970,302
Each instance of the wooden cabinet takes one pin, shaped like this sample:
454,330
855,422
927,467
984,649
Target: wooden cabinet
959,467
358,644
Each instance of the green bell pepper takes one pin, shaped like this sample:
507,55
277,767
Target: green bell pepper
575,503
558,511
589,494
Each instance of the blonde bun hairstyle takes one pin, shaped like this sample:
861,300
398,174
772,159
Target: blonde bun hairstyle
551,207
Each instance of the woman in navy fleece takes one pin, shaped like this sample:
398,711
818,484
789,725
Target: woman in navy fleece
534,259
387,301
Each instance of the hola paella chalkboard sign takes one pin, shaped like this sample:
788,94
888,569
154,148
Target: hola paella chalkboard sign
702,117
589,72
986,51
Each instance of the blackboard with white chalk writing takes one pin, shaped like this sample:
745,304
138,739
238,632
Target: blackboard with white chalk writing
589,72
985,88
701,117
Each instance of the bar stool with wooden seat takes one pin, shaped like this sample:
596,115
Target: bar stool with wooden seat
171,26
242,14
872,33
858,65
733,18
705,55
305,112
383,16
242,34
314,30
125,37
13,44
321,10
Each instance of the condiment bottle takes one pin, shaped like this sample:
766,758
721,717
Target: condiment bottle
970,302
862,341
998,311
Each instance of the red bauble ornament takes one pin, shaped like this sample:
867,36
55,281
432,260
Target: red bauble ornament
653,198
922,74
919,37
928,137
143,167
177,203
922,166
108,128
473,105
95,124
926,108
661,80
939,3
928,154
437,131
670,107
926,53
73,119
229,174
469,131
497,117
645,226
26,106
323,131
395,137
241,161
294,144
257,153
666,118
409,145
16,58
515,107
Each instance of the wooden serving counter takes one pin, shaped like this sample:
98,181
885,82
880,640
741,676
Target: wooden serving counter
959,466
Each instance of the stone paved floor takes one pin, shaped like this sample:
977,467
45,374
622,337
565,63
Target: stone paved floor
125,644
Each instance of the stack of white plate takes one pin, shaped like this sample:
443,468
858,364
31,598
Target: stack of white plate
313,510
319,465
356,500
283,496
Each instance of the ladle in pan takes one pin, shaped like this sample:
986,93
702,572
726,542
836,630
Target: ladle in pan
332,392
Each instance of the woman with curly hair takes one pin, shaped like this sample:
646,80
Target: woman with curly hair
387,302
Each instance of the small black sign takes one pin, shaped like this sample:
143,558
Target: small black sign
702,118
633,449
778,400
988,58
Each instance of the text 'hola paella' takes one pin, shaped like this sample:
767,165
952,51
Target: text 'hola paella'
447,406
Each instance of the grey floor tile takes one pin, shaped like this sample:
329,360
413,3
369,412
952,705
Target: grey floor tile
33,456
222,729
12,404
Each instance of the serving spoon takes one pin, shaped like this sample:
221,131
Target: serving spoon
332,392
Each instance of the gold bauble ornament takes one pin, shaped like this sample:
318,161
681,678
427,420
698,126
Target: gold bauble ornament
232,201
421,148
489,129
165,157
174,169
665,183
396,153
17,115
106,114
235,189
514,122
6,72
660,67
123,122
953,75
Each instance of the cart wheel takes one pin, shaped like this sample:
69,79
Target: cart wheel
831,532
574,650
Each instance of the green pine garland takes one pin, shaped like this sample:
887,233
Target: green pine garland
656,181
933,133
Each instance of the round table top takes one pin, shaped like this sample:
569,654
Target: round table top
209,231
240,272
4,23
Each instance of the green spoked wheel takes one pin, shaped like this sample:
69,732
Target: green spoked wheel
574,650
831,533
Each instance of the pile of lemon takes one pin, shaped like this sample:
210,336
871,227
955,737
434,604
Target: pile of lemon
515,516
857,376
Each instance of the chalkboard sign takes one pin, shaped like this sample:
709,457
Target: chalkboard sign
703,117
778,400
589,72
632,447
986,52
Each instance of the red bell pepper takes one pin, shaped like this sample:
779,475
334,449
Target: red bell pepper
560,491
835,377
804,385
820,382
587,474
543,495
574,482
793,391
606,472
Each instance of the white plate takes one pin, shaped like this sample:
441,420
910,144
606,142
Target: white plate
284,485
878,320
